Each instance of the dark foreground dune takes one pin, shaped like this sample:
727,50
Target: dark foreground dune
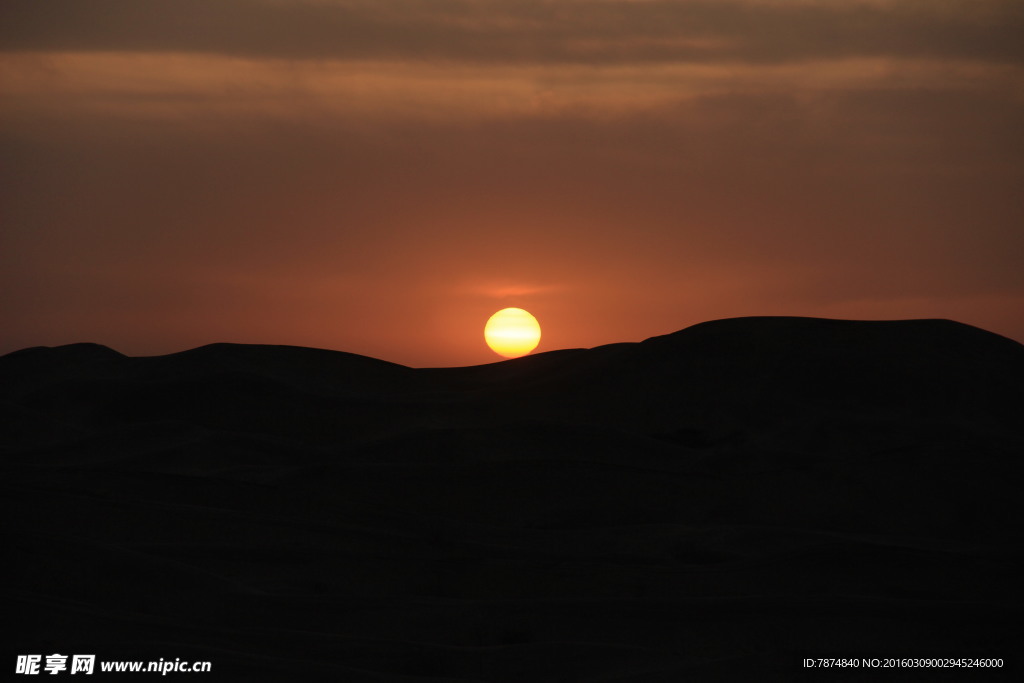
719,502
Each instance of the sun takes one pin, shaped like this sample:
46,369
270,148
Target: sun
512,332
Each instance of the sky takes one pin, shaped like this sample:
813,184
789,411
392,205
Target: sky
380,176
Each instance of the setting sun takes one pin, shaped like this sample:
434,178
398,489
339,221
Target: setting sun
512,332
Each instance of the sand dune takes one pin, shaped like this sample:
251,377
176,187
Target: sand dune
727,499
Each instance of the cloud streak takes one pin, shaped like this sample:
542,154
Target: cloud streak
525,31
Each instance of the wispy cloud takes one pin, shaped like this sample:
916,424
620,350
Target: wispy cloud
182,86
512,291
535,31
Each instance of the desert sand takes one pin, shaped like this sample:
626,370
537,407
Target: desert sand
716,503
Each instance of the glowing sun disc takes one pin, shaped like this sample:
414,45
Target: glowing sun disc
512,332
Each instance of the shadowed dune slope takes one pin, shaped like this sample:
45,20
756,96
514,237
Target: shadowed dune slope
726,499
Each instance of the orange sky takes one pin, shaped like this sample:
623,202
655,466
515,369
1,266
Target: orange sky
379,177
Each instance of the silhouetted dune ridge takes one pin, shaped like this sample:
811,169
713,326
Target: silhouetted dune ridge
717,502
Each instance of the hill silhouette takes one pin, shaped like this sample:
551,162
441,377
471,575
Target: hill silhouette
727,499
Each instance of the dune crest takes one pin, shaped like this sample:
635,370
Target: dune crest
725,499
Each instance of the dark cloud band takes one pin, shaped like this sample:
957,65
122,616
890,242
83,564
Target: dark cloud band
523,31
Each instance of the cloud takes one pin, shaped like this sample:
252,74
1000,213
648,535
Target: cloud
525,31
196,88
512,290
